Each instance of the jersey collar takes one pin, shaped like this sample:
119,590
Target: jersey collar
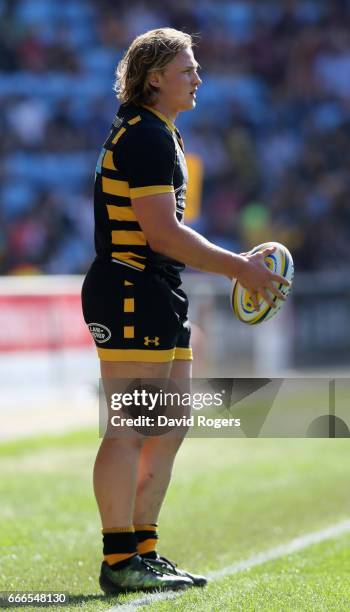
162,117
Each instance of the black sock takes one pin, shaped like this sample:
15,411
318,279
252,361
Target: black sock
119,546
147,537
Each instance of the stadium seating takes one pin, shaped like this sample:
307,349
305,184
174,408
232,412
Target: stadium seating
274,107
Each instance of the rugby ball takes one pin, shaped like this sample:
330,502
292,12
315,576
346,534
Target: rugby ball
279,262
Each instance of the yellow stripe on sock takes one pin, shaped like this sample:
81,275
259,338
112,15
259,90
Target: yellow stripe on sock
147,546
118,557
146,527
129,528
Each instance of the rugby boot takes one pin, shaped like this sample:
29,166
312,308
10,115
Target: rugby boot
138,575
163,564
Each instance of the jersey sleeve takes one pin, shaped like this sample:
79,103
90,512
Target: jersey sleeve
147,158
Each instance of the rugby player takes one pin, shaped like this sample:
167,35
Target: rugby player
132,296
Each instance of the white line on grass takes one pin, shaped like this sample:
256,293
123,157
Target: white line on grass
283,550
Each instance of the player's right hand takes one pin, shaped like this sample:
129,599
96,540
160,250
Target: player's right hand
258,279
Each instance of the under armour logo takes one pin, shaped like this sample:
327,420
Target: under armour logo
154,341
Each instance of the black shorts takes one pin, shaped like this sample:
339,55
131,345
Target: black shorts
135,316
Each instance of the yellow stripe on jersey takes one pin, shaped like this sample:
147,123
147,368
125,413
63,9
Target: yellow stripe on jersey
134,120
108,161
128,237
118,135
120,213
128,258
140,192
114,187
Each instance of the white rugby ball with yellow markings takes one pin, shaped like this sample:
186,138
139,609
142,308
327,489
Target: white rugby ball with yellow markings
279,262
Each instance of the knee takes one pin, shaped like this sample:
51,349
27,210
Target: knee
166,448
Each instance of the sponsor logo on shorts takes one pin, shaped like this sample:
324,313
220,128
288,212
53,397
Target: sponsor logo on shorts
148,340
100,332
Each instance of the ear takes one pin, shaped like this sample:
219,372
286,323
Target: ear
154,78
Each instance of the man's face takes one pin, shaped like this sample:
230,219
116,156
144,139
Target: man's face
177,83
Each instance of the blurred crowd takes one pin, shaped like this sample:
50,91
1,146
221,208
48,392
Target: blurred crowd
272,124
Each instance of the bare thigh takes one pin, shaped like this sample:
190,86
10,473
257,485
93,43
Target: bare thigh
135,369
168,443
115,377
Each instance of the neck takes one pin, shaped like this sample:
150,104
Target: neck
161,108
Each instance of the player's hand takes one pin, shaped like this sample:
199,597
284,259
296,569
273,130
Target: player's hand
258,279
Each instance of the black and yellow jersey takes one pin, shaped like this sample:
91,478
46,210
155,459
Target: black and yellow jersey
142,156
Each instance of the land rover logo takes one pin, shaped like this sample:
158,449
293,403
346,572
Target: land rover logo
101,333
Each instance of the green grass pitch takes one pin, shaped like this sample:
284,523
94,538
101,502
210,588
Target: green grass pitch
229,499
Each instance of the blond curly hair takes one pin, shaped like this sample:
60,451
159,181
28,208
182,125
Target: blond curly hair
147,53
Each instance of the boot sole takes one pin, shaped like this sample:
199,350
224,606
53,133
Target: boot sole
111,589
